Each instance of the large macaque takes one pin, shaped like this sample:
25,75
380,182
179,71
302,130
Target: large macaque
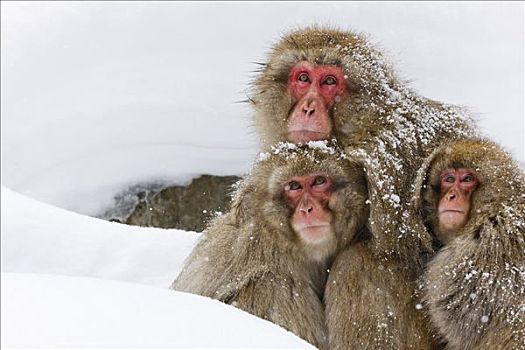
270,254
471,197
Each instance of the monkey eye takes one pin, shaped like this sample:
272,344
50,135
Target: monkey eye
294,185
330,80
303,77
468,178
449,178
319,180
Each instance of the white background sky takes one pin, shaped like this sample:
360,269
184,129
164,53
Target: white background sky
98,95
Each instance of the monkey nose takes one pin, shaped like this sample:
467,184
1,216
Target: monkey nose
308,111
307,210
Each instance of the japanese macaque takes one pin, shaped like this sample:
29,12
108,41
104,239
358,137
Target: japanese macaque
471,197
324,83
270,254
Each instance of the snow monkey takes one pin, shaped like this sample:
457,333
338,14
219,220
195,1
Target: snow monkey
270,254
471,196
319,83
324,83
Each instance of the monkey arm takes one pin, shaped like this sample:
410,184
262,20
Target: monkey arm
369,304
286,301
215,267
503,337
252,269
277,297
476,287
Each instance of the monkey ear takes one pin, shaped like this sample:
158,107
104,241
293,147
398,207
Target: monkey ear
239,206
423,182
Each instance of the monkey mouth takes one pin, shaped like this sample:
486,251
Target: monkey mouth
315,233
303,136
451,211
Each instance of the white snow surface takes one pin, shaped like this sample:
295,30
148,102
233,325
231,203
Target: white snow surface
41,238
100,95
76,312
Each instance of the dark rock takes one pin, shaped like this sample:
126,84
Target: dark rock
183,207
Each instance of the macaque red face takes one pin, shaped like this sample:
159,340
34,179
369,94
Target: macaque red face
457,186
309,197
315,89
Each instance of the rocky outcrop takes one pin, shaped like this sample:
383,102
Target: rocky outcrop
183,207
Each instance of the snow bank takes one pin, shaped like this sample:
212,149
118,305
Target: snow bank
40,238
72,312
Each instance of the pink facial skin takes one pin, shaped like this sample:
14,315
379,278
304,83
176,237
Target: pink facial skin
316,89
309,196
457,186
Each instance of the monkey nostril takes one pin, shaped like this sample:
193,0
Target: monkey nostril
308,111
307,210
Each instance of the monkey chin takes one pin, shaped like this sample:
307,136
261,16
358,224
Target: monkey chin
315,234
450,222
303,136
318,241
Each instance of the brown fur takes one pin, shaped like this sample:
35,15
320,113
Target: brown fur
391,129
475,286
370,304
251,257
379,119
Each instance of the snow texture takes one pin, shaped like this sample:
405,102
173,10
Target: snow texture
41,238
88,312
291,150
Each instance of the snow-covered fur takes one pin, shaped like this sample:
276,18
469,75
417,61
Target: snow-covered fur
474,287
251,257
380,120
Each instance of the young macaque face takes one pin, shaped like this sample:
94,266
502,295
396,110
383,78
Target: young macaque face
315,89
309,197
457,186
